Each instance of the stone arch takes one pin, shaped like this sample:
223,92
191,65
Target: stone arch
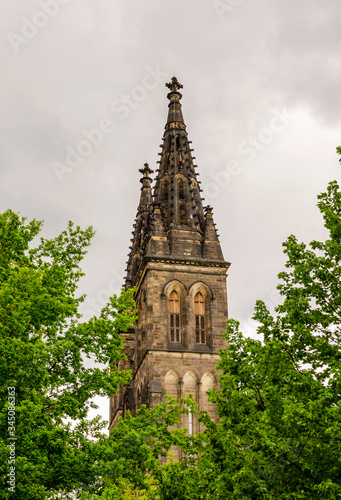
199,287
171,384
176,285
180,289
208,381
190,386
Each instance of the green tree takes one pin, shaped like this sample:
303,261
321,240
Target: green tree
279,434
134,456
43,370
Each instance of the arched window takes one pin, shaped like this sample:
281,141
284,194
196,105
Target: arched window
174,316
181,190
207,383
189,387
171,384
199,312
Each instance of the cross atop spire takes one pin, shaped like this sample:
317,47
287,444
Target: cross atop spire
146,171
174,85
175,113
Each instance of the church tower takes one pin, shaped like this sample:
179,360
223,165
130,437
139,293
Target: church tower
177,266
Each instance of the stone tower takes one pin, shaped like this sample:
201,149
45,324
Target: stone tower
178,269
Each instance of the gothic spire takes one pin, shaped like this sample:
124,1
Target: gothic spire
211,247
177,189
172,223
141,224
146,190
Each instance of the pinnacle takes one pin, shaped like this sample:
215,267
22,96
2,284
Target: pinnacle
146,169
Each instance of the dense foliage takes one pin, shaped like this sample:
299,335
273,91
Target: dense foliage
43,370
134,456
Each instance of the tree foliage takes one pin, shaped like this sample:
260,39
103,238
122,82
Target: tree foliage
135,454
43,350
279,434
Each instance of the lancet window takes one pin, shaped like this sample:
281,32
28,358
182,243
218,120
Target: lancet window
199,313
174,316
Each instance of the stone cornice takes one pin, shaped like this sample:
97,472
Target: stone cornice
166,259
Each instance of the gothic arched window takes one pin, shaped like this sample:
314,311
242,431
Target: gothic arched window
199,313
181,190
174,316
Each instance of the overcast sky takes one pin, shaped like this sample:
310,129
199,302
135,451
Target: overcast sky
261,101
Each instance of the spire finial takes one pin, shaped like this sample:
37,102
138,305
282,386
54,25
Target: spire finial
174,85
146,170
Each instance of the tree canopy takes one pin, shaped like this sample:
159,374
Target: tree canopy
43,370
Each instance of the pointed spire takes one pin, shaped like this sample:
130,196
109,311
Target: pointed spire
146,190
172,222
212,248
141,226
177,188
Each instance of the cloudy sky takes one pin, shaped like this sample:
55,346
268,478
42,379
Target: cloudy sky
84,105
